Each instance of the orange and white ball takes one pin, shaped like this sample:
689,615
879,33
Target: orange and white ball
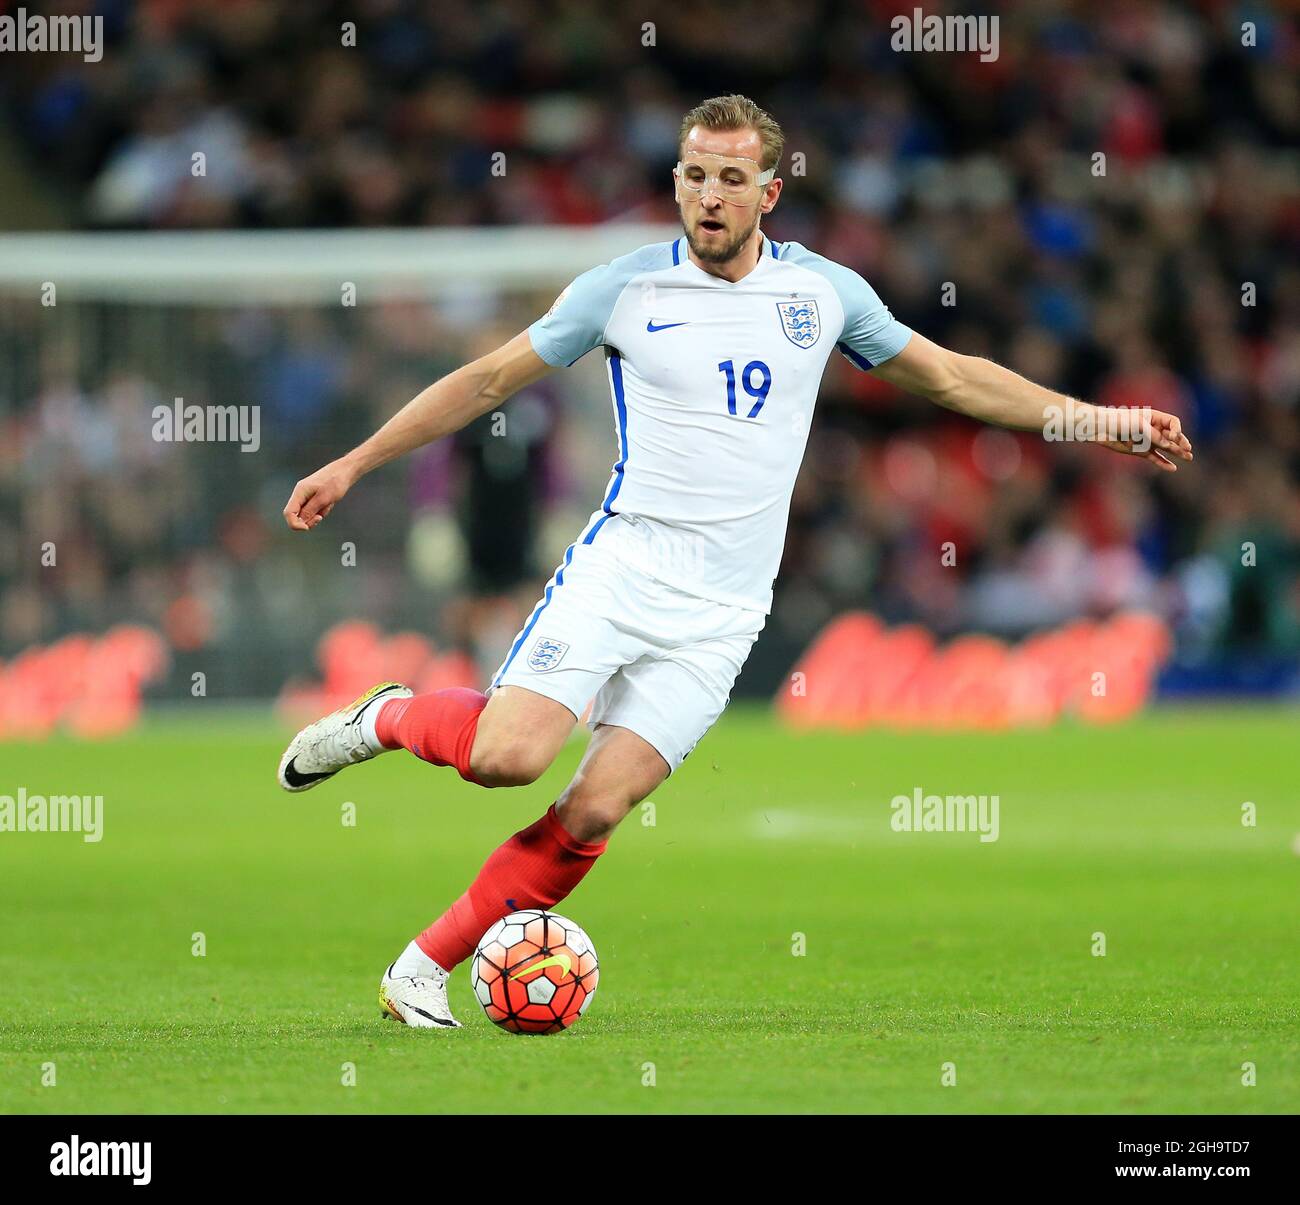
534,972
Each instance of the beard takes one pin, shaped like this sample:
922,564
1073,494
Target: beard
715,253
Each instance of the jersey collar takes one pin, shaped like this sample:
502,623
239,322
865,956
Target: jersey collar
767,250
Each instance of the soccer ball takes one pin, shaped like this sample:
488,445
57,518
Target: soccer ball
534,972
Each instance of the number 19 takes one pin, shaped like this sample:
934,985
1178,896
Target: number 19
759,393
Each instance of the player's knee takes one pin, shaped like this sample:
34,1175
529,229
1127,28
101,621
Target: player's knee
508,762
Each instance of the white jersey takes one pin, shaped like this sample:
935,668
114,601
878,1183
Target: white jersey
713,386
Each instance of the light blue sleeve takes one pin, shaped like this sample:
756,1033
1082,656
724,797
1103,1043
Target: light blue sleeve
871,333
576,323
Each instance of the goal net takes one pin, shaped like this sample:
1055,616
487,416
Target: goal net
160,394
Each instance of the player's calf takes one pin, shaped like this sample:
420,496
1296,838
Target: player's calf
517,737
619,770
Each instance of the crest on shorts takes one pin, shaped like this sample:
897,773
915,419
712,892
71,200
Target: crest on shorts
546,654
800,321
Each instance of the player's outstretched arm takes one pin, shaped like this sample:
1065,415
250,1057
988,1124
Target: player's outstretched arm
994,394
443,408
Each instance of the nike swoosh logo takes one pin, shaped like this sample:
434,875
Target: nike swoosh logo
666,326
428,1016
294,779
555,960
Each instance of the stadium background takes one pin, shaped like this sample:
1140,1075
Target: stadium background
769,941
921,169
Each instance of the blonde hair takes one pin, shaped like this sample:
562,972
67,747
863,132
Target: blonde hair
736,112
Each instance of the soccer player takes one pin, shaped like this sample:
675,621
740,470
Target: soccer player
715,345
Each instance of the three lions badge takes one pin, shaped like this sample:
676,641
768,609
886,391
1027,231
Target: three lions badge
546,654
800,321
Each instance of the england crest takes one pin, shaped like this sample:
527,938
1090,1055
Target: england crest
800,321
546,654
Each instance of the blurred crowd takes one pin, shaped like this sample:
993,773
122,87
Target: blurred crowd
1112,207
112,525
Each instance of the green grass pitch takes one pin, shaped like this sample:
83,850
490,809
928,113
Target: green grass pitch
921,949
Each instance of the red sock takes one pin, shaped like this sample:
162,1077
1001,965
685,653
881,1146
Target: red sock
536,868
438,728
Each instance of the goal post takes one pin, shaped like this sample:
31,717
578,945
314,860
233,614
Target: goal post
308,267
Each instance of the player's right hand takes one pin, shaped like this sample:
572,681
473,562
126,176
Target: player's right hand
314,497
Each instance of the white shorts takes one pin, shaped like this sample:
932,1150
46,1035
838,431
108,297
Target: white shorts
648,656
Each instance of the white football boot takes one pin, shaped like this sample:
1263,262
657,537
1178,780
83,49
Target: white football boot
331,744
417,1000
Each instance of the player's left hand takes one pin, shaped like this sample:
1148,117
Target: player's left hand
1155,436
